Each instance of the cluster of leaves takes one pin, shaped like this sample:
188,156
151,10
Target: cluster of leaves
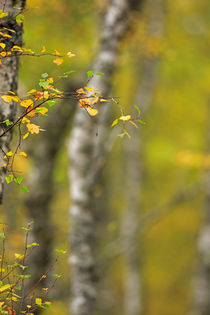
15,297
37,102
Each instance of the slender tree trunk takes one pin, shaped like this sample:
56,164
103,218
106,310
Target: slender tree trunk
86,154
44,151
133,169
8,76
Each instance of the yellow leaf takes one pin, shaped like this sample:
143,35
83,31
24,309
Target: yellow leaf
31,91
115,122
18,256
58,61
2,45
16,48
50,80
32,128
28,50
5,287
84,102
7,98
70,55
23,154
5,35
92,111
125,118
42,110
38,301
25,120
1,304
103,100
26,135
3,54
127,134
3,165
3,14
133,123
57,52
26,103
10,153
43,49
15,98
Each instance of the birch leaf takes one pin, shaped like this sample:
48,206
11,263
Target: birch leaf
26,103
10,153
125,118
25,135
9,98
38,301
58,61
5,287
2,45
115,122
23,154
32,128
92,111
70,55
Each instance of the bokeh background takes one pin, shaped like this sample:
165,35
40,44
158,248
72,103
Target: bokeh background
172,147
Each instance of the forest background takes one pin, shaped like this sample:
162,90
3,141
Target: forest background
173,155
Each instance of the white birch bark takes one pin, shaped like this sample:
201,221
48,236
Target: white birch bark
84,148
8,77
133,168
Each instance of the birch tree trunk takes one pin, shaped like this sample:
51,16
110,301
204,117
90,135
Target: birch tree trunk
8,76
133,169
85,152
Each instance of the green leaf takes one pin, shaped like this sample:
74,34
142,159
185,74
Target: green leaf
32,245
21,277
90,74
24,188
18,287
9,178
8,122
60,251
56,275
50,103
121,135
69,72
20,18
141,122
18,180
99,73
44,75
138,110
44,84
2,235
